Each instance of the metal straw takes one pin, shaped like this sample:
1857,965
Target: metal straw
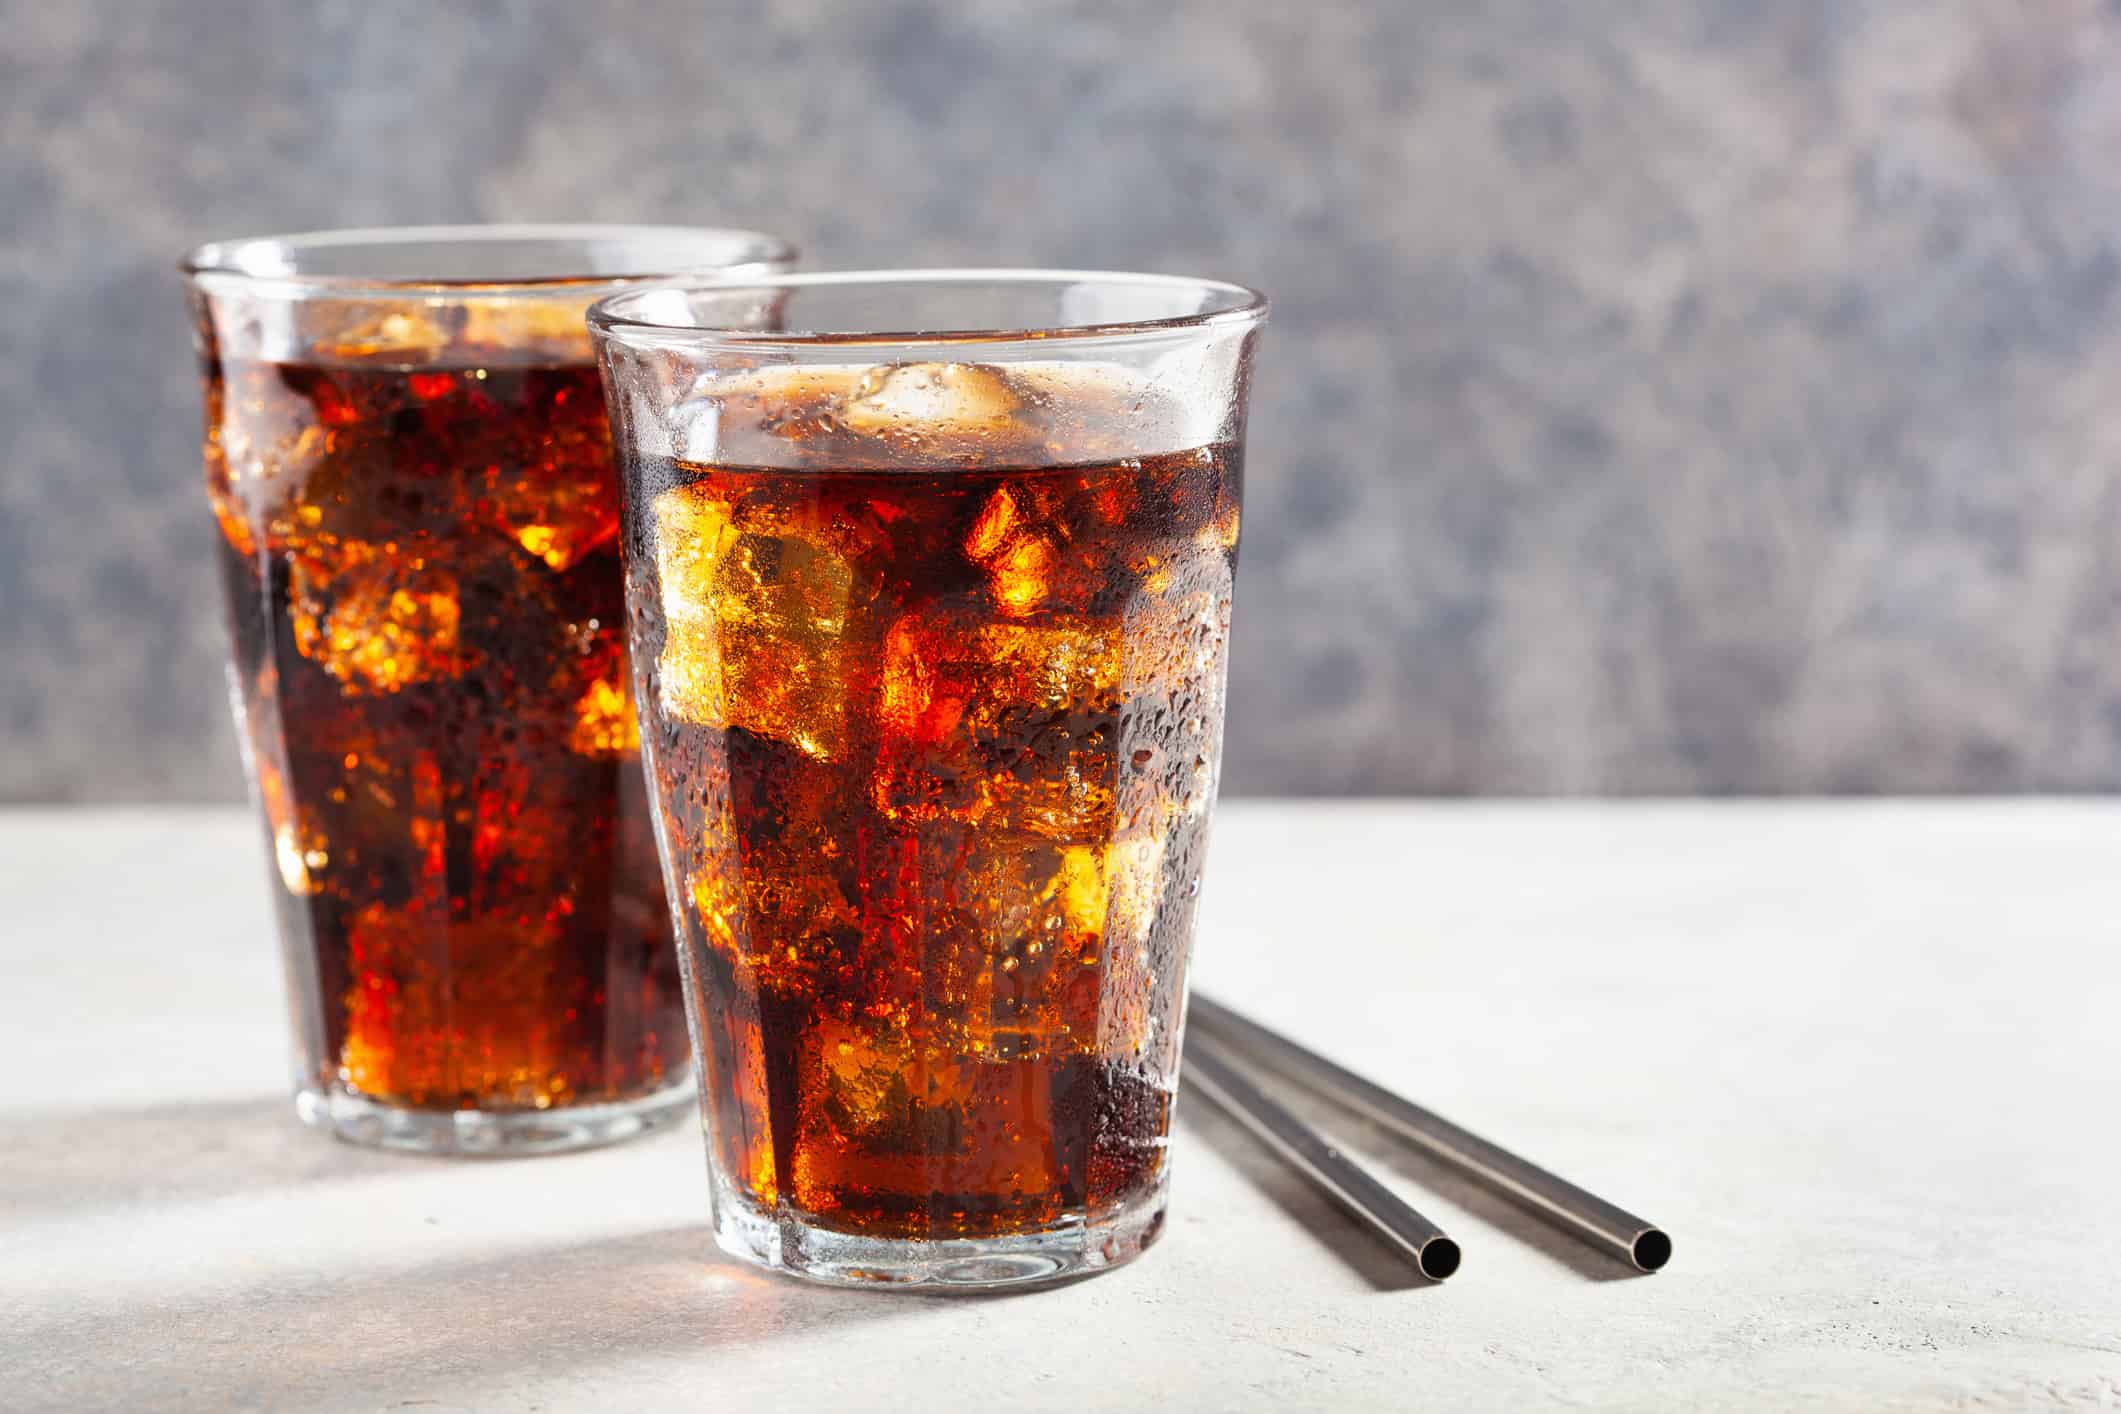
1612,1230
1209,1070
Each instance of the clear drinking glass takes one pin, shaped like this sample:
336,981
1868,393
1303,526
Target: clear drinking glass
929,591
407,455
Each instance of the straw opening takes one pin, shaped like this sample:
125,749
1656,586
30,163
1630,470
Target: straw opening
1439,1258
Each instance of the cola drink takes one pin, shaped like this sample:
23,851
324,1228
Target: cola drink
933,671
408,458
419,541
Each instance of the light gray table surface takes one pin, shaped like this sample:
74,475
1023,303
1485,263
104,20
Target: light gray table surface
1860,1059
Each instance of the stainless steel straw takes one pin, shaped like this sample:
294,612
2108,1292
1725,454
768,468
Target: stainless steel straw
1209,1070
1612,1230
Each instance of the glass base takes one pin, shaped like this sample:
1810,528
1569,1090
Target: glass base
491,1133
783,1242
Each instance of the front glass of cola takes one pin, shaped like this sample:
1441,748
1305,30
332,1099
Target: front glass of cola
407,456
929,634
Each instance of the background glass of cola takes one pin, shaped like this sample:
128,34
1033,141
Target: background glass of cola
929,636
407,454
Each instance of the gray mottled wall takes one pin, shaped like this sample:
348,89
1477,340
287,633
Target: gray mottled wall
1670,395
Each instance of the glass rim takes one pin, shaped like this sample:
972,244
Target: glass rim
247,262
614,317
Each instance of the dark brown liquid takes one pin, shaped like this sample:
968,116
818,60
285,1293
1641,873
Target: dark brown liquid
424,583
933,749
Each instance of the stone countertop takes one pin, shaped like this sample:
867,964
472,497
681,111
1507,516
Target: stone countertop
1859,1059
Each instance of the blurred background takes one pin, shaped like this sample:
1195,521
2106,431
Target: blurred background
1679,396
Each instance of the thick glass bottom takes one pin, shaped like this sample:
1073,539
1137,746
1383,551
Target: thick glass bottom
490,1133
1076,1247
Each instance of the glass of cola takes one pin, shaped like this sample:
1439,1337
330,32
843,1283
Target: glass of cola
407,454
929,578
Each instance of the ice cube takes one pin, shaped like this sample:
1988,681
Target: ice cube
934,402
1019,564
376,621
592,672
604,721
554,493
766,860
259,460
1036,553
1107,894
862,1073
780,920
1127,998
1004,725
785,668
1133,878
1019,916
992,528
691,531
755,626
787,584
559,520
478,1025
552,325
411,332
